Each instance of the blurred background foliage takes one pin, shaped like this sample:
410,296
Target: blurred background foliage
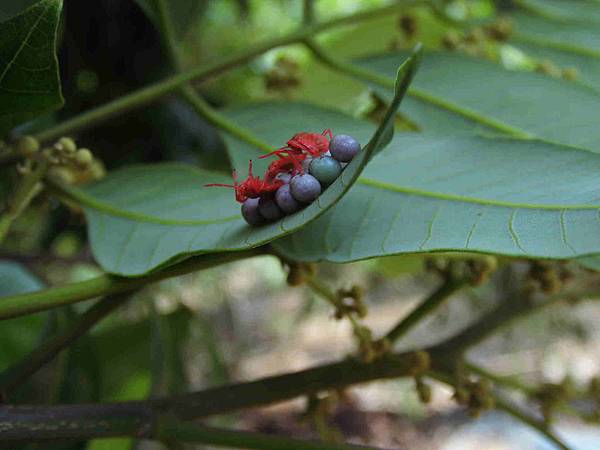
242,321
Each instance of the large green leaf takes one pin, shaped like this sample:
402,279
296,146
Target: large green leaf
567,40
427,193
561,10
143,217
18,335
456,94
29,82
14,7
15,279
566,45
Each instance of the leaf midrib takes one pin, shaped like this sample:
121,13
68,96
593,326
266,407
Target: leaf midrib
428,97
107,208
557,45
463,198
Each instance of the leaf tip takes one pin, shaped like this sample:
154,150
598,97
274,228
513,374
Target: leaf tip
408,69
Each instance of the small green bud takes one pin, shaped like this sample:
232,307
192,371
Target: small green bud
28,146
500,30
24,167
462,395
423,390
421,363
357,292
67,145
381,347
451,40
475,36
547,67
408,25
97,170
295,275
62,175
50,156
83,157
310,268
570,74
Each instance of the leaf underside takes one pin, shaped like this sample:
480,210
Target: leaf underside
428,193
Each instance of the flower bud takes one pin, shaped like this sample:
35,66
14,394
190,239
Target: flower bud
28,146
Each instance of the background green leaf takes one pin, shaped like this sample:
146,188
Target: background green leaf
565,45
456,94
18,335
584,10
29,82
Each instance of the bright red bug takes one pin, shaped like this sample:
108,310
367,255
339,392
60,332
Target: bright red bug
305,144
299,147
251,187
284,164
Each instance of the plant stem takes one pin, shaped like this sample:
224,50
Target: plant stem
137,418
15,376
169,428
28,188
220,121
527,390
322,290
509,382
170,84
308,12
194,99
353,70
507,407
509,309
439,296
529,420
22,304
168,33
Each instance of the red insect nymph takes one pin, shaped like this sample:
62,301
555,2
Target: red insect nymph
285,164
304,144
251,187
314,144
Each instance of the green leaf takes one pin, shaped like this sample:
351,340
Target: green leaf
143,217
560,10
18,335
125,352
427,193
567,39
566,45
14,7
29,81
458,94
591,262
15,279
433,193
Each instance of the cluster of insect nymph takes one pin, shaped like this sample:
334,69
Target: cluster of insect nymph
304,168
